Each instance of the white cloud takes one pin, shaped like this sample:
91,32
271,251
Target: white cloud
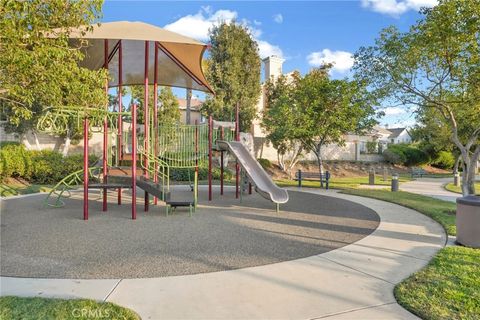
197,25
394,111
342,60
267,49
278,18
397,7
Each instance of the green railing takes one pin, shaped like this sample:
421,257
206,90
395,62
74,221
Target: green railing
156,167
70,182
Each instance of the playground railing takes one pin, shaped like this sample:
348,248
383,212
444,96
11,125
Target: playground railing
70,182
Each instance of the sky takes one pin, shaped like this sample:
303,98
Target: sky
304,33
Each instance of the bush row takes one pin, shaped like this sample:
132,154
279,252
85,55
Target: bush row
406,155
42,167
185,174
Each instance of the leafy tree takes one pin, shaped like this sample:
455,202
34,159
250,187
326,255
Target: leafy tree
329,109
37,63
316,111
233,70
38,66
168,107
280,122
436,64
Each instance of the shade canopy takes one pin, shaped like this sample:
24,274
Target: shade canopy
179,58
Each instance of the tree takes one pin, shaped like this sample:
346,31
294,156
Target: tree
316,111
435,65
280,122
37,63
168,107
233,70
329,109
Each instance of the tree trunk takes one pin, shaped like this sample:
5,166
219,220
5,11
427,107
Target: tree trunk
188,106
24,140
318,154
457,163
67,144
468,186
37,143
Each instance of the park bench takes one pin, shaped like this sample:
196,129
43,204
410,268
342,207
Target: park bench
418,172
301,175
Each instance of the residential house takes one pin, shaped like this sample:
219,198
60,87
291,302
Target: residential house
195,106
355,147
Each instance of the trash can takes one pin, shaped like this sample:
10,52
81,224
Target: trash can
394,182
468,221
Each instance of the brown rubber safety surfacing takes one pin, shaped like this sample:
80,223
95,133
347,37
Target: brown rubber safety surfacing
222,235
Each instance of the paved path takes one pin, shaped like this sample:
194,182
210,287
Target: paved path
432,187
355,281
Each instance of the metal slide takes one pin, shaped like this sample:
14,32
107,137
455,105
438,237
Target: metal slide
264,184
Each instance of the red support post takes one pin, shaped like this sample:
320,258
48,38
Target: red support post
134,161
120,109
146,121
196,159
210,137
237,165
105,130
85,168
155,118
221,164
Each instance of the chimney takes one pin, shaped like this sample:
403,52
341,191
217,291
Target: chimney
273,67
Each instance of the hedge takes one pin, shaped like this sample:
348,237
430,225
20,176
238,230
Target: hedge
182,174
444,160
405,154
42,167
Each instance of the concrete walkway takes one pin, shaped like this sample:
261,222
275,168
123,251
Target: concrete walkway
432,187
353,282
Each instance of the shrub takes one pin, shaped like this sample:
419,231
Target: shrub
444,160
182,174
394,156
47,167
265,163
15,161
406,155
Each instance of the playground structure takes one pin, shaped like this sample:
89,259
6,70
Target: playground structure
143,155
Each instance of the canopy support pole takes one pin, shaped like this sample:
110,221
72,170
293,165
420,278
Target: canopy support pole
120,107
134,161
85,168
237,138
221,164
105,130
155,119
210,129
146,123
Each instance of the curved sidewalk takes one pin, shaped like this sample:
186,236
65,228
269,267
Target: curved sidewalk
432,187
355,281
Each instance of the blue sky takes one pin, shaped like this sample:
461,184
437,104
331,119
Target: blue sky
305,34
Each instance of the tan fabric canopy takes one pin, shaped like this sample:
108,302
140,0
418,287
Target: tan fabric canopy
179,57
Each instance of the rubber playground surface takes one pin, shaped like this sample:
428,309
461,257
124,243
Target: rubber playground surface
224,234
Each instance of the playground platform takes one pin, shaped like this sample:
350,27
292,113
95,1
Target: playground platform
223,234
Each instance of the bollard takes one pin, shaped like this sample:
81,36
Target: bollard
456,179
385,174
371,177
299,178
394,182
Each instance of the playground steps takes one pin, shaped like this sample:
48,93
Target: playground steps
155,189
123,171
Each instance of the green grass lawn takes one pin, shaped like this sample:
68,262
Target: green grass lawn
43,308
451,187
448,288
14,187
341,183
441,211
